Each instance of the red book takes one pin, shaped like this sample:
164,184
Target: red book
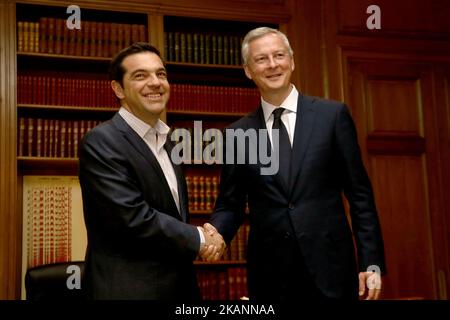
58,39
100,39
51,35
93,39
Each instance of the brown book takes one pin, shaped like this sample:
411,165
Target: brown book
79,41
135,33
223,285
26,36
69,139
51,133
201,193
43,22
65,39
177,47
190,191
34,34
189,48
120,36
231,283
214,49
30,132
114,34
73,34
201,49
45,150
86,38
142,33
208,49
226,50
208,201
56,142
51,35
20,151
63,132
127,35
170,46
215,188
183,49
241,243
58,40
20,33
100,39
106,39
195,192
93,39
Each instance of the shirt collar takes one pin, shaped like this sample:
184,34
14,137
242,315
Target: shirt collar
290,103
141,127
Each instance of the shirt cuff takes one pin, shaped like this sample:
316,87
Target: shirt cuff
202,238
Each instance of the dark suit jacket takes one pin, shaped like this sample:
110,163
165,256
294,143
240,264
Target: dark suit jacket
326,162
139,246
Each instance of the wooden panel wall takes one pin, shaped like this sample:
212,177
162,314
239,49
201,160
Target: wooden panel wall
10,227
395,117
395,81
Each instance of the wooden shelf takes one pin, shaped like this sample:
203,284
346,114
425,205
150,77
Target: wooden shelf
67,108
203,65
63,57
221,263
47,165
201,212
191,114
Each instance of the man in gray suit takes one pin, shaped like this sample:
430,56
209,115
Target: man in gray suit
140,245
300,244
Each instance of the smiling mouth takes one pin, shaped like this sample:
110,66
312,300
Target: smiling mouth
153,96
274,76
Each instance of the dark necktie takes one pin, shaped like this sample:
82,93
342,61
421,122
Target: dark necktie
284,144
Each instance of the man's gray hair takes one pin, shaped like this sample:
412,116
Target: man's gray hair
258,33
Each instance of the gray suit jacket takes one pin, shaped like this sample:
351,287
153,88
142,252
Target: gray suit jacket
139,245
326,162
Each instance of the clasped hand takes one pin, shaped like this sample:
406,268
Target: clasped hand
214,246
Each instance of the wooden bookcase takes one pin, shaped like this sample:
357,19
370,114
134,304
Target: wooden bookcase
63,91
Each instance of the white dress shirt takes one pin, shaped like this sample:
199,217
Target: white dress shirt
289,116
155,138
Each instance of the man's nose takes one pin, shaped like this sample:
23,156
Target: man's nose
272,62
153,81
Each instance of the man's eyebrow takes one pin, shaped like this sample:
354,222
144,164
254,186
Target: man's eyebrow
137,71
146,71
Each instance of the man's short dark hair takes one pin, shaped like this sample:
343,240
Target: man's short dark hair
116,70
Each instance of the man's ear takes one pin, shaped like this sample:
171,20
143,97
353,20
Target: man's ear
117,88
247,72
292,64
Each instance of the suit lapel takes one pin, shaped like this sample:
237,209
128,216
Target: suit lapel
303,128
181,183
139,144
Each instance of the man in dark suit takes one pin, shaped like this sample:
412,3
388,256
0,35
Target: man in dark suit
300,243
140,245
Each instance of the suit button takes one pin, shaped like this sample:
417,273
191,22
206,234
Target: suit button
287,235
291,206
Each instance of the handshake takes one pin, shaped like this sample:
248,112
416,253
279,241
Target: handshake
214,245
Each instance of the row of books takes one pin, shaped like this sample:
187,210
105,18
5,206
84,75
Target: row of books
51,137
47,214
203,191
188,97
237,249
209,48
42,137
95,39
229,284
68,89
87,90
